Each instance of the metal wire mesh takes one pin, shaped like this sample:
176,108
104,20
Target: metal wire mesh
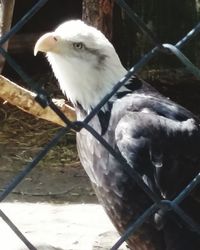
44,101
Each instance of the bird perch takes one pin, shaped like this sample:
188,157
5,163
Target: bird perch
25,100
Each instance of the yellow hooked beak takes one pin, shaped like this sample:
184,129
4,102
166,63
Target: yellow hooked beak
47,42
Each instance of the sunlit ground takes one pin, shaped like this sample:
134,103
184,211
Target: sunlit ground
47,205
52,226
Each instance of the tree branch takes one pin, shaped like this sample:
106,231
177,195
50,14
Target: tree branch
25,100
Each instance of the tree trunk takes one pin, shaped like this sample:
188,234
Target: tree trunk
6,14
99,13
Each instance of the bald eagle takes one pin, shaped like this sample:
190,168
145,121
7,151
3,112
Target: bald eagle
157,137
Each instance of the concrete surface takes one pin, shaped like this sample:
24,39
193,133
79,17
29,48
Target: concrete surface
58,226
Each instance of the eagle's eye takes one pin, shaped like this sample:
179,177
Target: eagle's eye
78,45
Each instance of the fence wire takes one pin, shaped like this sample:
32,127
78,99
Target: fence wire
44,100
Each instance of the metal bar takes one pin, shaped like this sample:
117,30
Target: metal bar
60,114
187,190
18,178
189,65
22,21
134,226
186,218
133,173
145,59
135,18
19,70
190,35
129,169
31,84
16,231
137,67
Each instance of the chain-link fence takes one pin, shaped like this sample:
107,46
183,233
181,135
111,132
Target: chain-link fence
45,101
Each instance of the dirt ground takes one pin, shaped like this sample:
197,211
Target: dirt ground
57,177
54,206
58,187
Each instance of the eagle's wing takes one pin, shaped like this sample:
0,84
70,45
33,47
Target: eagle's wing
162,141
164,150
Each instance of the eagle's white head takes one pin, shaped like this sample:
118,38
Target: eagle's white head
83,60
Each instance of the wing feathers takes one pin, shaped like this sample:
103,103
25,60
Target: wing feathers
163,149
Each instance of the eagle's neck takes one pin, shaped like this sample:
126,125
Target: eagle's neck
85,84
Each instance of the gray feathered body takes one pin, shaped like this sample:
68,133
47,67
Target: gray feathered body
161,140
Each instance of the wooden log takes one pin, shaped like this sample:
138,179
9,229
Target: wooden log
25,100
